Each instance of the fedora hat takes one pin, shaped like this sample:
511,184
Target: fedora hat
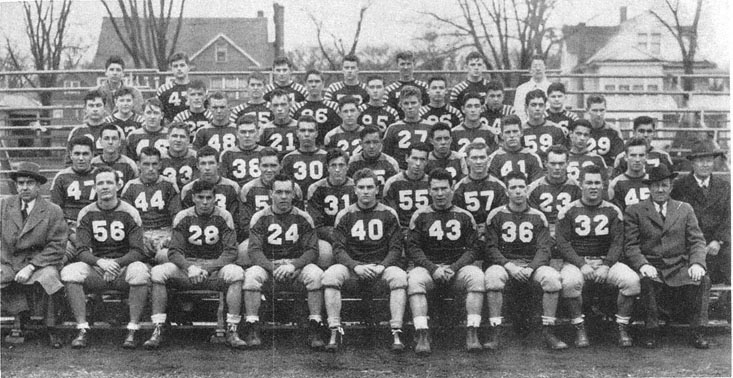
704,148
659,173
28,169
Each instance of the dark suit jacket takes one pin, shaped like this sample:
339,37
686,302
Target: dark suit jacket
712,210
671,246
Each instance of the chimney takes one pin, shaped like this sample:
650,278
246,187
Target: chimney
279,20
622,14
260,14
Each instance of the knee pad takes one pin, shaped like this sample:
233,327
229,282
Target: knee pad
137,274
74,273
232,273
495,278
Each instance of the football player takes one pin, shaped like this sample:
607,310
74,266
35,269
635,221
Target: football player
408,190
151,134
282,71
93,121
604,139
437,110
406,65
556,112
178,163
256,104
494,107
442,156
411,129
511,156
280,133
473,129
539,134
346,136
325,112
307,164
240,163
376,112
114,72
474,83
221,134
383,166
645,127
628,188
174,95
580,155
555,190
350,86
111,138
196,116
124,116
329,195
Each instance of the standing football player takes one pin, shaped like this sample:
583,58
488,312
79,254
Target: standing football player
406,65
628,188
280,133
511,156
256,104
383,166
442,156
196,116
240,163
174,95
221,134
346,136
604,140
474,83
411,129
473,129
282,71
325,112
375,111
152,133
539,134
178,163
350,86
438,110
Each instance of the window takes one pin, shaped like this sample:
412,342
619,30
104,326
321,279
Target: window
637,87
72,84
641,41
652,88
623,87
216,83
220,52
655,44
609,88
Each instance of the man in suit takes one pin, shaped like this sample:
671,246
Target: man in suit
665,245
32,245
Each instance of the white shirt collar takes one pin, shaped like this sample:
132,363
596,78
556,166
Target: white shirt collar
29,205
662,206
702,183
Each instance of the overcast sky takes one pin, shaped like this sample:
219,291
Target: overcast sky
394,22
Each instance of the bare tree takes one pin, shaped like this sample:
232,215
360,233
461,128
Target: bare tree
339,47
145,35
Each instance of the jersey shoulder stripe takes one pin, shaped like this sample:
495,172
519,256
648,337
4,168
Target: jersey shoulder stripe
492,214
390,181
423,110
606,204
382,207
464,212
163,88
453,110
132,211
190,212
224,214
92,207
538,213
182,116
420,211
315,186
333,105
304,214
564,210
536,184
227,182
135,181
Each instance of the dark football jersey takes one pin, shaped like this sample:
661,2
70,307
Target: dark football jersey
492,117
518,236
206,237
326,200
406,195
654,158
295,91
383,166
563,119
367,236
226,195
181,169
325,113
549,197
446,113
174,98
576,162
401,135
625,191
219,137
194,121
305,167
94,133
347,141
479,197
338,90
501,162
463,136
125,167
539,138
605,142
127,125
380,116
453,163
157,202
283,138
110,234
593,231
141,138
282,236
240,165
73,191
261,111
255,196
461,89
447,236
393,93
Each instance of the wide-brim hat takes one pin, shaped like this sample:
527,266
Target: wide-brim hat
659,173
28,169
704,148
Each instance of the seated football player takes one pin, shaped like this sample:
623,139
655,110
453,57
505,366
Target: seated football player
111,255
367,251
443,245
202,255
283,249
518,249
331,194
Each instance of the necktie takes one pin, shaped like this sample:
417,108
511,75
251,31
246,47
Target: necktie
661,213
24,210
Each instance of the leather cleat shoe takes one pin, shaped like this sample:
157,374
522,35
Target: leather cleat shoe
130,342
253,339
551,340
397,346
472,343
314,335
650,339
80,341
624,340
54,340
493,342
15,336
233,339
422,348
581,336
155,339
335,339
698,341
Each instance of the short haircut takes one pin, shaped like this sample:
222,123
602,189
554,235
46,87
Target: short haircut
405,55
200,186
440,174
280,60
495,85
537,93
153,101
594,99
476,146
124,91
348,100
281,177
94,94
409,91
580,122
351,58
179,56
307,118
558,149
420,146
374,77
538,57
114,59
247,119
313,71
474,55
178,126
335,153
556,87
218,95
197,84
644,120
277,92
111,126
207,151
365,173
515,175
437,127
149,151
105,169
369,129
471,95
256,75
636,141
437,78
511,119
81,141
589,170
269,151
